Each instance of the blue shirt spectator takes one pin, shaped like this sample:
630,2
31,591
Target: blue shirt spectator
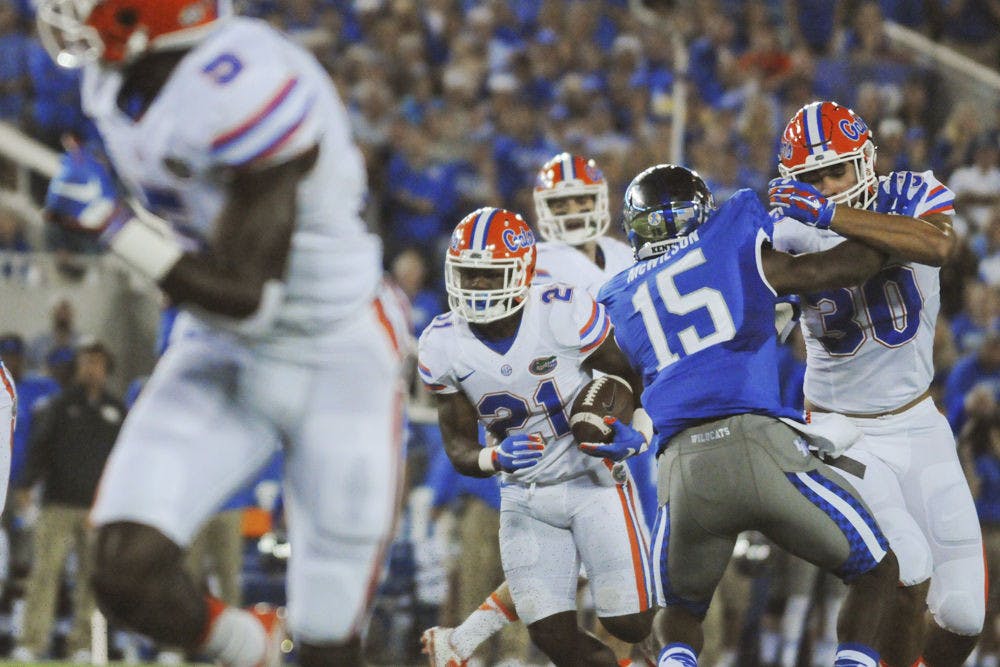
981,368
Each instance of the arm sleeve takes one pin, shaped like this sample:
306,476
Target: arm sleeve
432,361
580,323
256,105
938,198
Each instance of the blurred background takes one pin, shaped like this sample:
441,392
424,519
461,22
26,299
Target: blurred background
456,104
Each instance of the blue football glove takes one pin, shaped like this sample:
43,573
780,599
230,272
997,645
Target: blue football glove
626,442
801,201
517,452
900,193
83,196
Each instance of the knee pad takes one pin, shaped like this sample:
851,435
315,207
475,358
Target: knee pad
913,553
960,613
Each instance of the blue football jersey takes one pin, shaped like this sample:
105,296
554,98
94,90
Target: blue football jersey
698,322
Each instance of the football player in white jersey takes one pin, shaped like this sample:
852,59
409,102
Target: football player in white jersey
571,208
242,197
512,357
8,416
869,358
572,216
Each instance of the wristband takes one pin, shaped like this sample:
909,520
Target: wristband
642,423
145,249
486,459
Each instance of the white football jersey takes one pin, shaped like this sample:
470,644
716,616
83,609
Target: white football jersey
530,387
563,263
247,97
870,348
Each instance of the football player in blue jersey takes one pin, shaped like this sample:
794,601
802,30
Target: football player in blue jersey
695,315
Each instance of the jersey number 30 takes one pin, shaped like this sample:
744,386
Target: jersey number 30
681,304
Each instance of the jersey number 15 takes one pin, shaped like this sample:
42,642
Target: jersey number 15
681,304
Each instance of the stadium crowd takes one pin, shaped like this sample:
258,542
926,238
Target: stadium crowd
457,103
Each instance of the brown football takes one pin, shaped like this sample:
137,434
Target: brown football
605,396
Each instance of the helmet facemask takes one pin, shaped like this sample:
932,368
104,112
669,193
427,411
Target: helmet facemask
573,228
480,305
65,34
862,161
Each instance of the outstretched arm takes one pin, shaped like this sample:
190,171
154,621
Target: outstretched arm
927,240
850,263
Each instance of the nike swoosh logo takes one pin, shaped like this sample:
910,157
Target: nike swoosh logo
466,376
81,192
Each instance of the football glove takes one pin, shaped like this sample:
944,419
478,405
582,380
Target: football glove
900,193
625,442
83,196
801,201
517,452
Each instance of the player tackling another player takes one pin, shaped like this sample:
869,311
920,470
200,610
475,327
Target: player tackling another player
869,357
695,316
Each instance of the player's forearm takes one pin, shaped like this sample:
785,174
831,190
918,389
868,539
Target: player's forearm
912,239
464,455
197,280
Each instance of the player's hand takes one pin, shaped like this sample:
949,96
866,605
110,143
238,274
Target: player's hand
900,193
801,201
626,442
517,452
83,196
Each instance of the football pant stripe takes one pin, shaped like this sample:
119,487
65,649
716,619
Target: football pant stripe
854,519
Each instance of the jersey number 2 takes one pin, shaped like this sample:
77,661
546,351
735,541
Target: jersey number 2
682,304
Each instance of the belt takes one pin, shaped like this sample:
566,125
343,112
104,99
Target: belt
848,465
871,415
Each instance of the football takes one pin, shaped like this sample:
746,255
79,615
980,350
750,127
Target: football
605,396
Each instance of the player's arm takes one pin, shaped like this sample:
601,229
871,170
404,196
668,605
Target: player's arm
251,244
459,424
928,239
892,227
237,276
610,360
850,263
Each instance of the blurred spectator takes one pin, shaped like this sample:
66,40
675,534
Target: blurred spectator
55,108
986,245
14,46
409,270
979,446
62,333
69,446
32,389
969,327
815,22
13,242
951,148
711,56
421,190
972,27
976,184
974,383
